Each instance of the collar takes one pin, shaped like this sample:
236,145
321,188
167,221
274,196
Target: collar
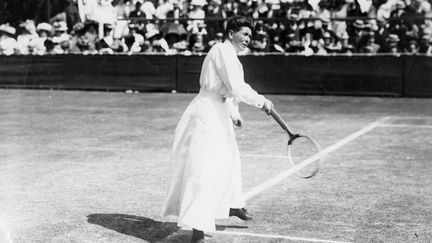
230,46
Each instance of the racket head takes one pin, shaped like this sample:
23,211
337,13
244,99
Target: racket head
300,151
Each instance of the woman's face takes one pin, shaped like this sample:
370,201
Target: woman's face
241,38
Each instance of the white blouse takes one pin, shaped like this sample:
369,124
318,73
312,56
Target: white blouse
222,74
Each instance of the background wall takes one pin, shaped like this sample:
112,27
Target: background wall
277,74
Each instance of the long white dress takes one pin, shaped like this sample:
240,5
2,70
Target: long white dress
205,164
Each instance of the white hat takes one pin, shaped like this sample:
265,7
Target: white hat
150,33
198,2
44,26
7,29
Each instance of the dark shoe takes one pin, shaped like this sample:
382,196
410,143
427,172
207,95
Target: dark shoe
241,213
197,236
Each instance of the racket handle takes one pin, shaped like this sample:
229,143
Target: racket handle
281,121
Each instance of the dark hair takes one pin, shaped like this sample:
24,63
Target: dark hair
237,22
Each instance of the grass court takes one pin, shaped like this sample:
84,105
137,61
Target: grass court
92,167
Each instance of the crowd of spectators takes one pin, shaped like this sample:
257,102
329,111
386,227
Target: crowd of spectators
192,26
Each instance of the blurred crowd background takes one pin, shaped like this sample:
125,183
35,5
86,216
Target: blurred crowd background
305,27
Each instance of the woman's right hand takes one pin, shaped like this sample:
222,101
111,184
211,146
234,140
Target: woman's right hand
268,106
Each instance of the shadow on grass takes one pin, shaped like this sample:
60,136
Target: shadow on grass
147,229
140,227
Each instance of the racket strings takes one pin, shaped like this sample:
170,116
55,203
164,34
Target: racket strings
301,149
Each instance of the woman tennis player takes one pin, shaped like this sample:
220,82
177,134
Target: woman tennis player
205,182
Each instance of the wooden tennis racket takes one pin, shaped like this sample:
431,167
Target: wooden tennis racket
300,148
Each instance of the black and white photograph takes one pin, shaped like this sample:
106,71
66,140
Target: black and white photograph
216,121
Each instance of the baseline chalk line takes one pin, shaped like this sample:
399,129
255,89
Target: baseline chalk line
405,125
281,176
293,238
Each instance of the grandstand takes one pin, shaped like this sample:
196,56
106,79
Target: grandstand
183,27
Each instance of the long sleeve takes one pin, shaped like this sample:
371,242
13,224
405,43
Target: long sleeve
233,107
231,71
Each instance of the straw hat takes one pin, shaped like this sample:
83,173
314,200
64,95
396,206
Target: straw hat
6,28
358,24
44,27
392,38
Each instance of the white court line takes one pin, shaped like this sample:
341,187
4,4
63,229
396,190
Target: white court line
281,176
405,125
412,117
278,237
265,156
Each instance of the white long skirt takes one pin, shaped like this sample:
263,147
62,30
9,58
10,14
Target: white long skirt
205,165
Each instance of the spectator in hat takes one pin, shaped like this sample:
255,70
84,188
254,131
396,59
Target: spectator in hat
357,34
307,43
91,35
218,39
197,12
181,46
330,44
8,44
61,38
198,44
391,44
291,44
424,42
44,31
133,40
108,45
382,32
80,42
369,45
28,34
155,43
198,35
412,46
260,42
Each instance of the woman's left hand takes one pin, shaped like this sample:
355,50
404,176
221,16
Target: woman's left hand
237,121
